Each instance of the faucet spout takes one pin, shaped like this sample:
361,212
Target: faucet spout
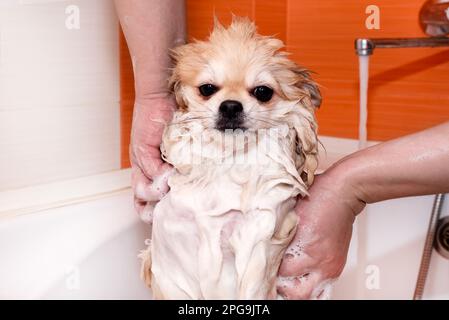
365,47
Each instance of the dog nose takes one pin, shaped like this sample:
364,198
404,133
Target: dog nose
230,109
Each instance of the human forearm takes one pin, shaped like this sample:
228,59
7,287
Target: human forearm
416,164
151,28
412,165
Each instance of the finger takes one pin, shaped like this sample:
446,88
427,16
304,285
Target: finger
147,190
149,159
160,182
140,183
147,193
298,288
144,210
139,205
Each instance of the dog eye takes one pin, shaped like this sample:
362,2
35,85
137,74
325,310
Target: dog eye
208,89
263,93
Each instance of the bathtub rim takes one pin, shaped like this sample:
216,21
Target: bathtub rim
46,196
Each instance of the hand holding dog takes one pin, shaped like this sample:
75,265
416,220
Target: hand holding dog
318,252
150,34
149,171
409,166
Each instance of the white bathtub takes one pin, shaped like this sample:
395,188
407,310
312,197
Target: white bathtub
387,245
82,251
392,248
88,250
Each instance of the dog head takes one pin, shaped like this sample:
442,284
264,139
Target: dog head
238,79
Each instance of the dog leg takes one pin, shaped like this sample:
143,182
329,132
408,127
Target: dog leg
145,267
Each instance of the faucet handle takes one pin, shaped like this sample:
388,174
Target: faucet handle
434,18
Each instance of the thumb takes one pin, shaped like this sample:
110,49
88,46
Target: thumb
149,160
154,190
301,287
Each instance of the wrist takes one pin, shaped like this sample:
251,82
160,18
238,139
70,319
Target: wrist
345,174
155,106
149,98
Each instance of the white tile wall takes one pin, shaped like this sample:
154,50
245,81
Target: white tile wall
59,91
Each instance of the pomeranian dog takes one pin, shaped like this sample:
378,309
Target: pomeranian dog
243,144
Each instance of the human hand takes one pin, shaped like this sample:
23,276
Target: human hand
149,172
317,254
150,34
411,165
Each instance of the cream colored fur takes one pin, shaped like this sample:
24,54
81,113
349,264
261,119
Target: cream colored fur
221,231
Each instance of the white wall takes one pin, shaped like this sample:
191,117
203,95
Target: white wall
59,91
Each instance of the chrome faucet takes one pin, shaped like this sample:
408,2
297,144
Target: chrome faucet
434,20
365,47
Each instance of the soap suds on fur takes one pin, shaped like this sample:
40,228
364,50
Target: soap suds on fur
199,250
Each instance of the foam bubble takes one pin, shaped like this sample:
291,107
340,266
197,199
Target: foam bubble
147,213
160,182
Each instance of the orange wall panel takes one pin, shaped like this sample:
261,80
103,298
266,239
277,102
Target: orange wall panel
126,100
270,16
200,14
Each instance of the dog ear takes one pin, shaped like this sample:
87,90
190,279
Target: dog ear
305,84
305,81
306,145
187,60
303,88
174,81
295,82
299,85
176,90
